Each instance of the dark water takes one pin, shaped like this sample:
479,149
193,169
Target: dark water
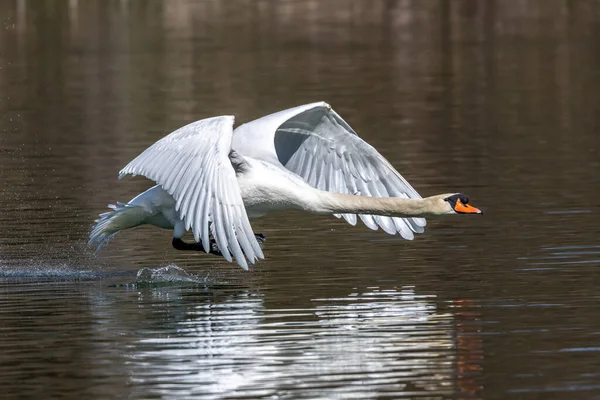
498,100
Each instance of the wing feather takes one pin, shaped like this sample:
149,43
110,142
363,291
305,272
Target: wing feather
192,164
317,144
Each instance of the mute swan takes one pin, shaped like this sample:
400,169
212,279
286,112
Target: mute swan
306,158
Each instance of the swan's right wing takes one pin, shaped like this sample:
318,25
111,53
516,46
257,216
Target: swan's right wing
321,147
192,164
313,141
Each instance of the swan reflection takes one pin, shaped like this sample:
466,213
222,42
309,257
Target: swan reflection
370,343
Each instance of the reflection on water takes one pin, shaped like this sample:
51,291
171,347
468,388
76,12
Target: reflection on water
498,100
223,342
394,337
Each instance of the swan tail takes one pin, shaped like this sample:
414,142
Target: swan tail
122,216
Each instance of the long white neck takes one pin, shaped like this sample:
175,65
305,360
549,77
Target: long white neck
336,203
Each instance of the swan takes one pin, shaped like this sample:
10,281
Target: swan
212,179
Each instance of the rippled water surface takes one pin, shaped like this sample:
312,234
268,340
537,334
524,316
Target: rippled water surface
498,100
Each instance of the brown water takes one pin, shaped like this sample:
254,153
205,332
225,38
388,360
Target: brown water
498,100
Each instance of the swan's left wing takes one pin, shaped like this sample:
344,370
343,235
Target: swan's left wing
314,142
192,164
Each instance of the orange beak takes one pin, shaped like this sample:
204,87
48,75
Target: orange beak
466,208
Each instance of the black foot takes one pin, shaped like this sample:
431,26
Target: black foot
214,249
181,245
260,238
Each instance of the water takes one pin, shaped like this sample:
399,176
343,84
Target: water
496,100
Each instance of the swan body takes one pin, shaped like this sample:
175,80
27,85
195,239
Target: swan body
212,180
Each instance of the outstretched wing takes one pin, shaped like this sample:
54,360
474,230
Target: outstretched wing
192,164
314,142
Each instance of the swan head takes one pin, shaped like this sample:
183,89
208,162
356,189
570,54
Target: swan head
458,203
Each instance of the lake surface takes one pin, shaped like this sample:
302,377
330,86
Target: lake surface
497,100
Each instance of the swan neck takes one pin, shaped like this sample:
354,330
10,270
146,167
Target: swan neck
337,203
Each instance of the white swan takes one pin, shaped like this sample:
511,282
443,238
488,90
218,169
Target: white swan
307,158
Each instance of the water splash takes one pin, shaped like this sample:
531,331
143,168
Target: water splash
168,275
47,272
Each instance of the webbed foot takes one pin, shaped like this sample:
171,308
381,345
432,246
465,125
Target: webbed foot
181,245
260,238
214,249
